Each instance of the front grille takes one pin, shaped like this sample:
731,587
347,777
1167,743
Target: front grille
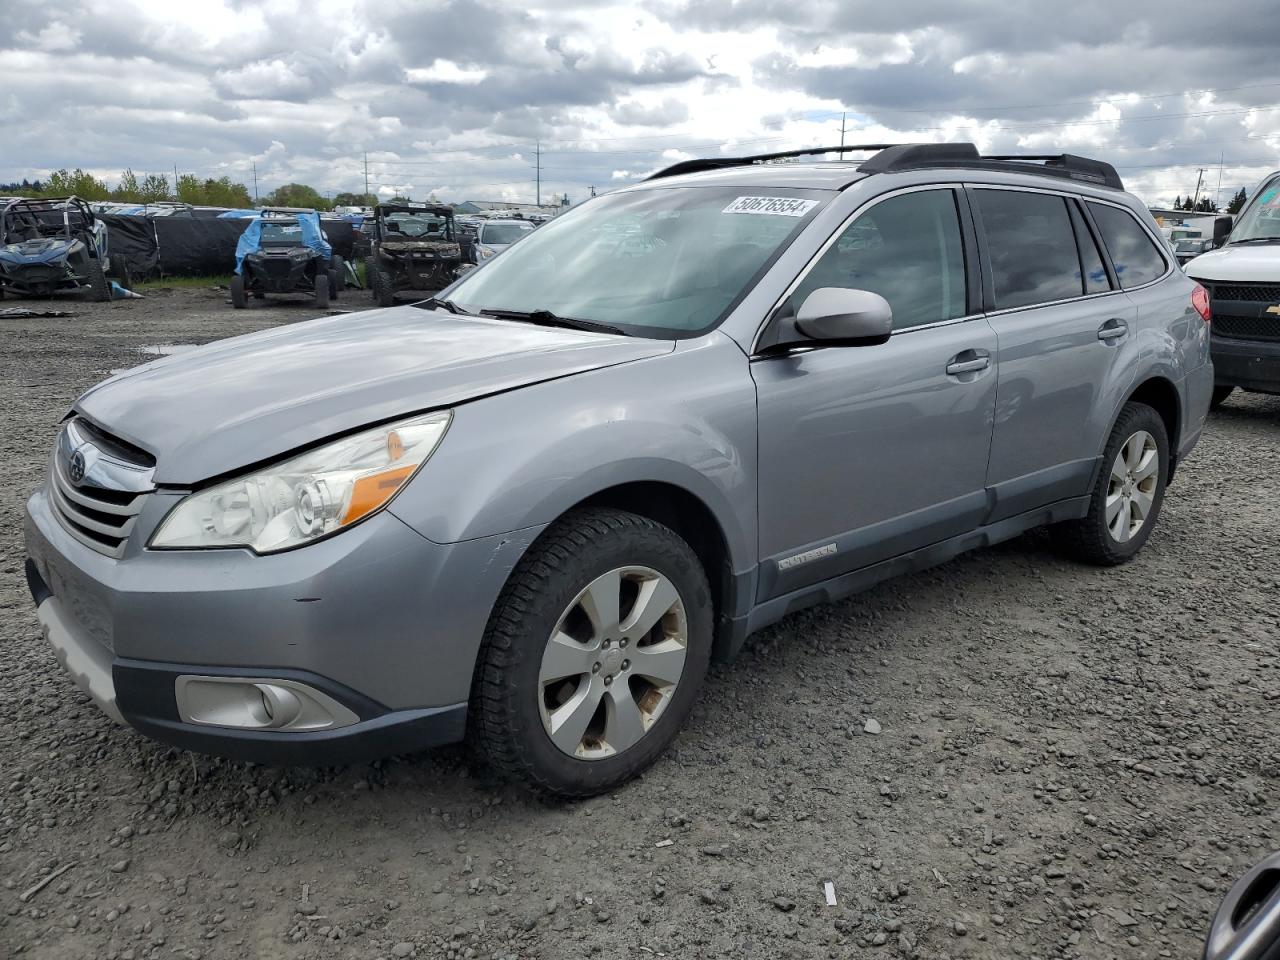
277,268
1246,328
101,509
1251,292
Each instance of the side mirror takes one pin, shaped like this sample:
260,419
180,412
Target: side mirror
834,316
1221,230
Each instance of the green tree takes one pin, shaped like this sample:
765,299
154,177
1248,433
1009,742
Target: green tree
1177,202
354,200
77,183
154,188
1237,202
297,195
127,190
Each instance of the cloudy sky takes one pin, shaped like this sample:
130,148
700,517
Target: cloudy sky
450,96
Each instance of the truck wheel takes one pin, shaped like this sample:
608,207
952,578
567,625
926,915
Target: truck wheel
337,276
120,270
238,299
322,290
1126,498
593,655
99,286
1220,395
384,291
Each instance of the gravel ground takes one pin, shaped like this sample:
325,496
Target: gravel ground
1007,755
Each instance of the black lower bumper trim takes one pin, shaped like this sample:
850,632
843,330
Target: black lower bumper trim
1253,365
145,695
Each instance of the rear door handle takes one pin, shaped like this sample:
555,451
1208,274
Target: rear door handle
1247,925
1113,329
971,365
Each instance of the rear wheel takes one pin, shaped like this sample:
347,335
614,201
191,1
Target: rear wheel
593,655
99,286
238,298
1220,395
337,276
322,289
1126,499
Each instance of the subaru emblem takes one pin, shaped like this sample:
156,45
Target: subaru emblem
76,467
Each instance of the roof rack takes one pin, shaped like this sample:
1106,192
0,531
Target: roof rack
716,163
895,157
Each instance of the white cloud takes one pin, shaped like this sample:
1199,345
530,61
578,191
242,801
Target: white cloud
445,71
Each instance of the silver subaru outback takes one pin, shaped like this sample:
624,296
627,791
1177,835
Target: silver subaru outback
528,512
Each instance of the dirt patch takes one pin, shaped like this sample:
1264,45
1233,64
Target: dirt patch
1071,762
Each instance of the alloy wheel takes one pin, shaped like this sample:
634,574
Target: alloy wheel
612,663
1131,491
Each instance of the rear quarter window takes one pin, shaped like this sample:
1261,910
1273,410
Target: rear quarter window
1133,253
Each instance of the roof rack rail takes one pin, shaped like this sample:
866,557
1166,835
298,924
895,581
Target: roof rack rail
716,163
894,157
918,156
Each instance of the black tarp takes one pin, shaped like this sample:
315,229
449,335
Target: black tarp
134,238
193,246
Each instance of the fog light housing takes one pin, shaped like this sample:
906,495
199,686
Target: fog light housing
258,703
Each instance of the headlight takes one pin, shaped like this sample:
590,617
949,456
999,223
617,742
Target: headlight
309,496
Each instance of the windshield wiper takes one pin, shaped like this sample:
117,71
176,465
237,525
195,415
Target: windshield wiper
449,305
1255,240
545,318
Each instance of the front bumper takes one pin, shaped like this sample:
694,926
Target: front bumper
1251,364
380,620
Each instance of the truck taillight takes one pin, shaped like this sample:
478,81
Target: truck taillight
1200,300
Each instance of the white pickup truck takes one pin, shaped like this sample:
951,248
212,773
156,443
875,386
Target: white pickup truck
1243,280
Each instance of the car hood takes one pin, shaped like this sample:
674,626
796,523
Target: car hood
216,409
1243,263
40,250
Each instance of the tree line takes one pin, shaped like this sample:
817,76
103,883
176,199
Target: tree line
157,188
1206,205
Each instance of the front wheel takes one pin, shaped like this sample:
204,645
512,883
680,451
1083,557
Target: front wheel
1126,498
383,287
593,655
99,286
238,298
322,290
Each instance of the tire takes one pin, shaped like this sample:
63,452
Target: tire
337,276
1220,395
514,693
120,270
322,290
238,298
1093,539
99,286
335,283
384,291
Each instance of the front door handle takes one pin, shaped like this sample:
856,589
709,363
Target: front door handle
1113,329
972,362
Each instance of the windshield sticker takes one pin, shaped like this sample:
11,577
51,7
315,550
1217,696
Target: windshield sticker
773,206
1271,198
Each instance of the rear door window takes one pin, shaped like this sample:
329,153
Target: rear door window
1133,253
1031,249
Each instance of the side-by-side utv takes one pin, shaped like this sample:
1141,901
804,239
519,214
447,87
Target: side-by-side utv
414,246
53,244
283,250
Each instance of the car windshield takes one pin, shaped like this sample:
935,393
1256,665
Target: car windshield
281,232
418,225
668,261
1262,220
501,233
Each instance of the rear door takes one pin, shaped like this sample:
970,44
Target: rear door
869,452
1061,323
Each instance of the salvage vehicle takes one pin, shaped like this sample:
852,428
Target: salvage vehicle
414,246
1243,280
53,244
494,236
283,250
529,511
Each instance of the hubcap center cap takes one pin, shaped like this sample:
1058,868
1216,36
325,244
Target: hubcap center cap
612,661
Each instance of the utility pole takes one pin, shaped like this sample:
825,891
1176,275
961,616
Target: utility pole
537,154
842,119
1217,196
255,181
175,181
1196,198
366,176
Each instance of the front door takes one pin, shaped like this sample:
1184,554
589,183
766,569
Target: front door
869,452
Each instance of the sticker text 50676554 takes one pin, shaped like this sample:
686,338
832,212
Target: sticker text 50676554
773,206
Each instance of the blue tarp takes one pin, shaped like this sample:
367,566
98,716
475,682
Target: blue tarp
309,223
237,214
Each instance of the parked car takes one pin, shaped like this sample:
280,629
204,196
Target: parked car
284,250
414,247
55,244
530,510
1243,280
1187,250
494,236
